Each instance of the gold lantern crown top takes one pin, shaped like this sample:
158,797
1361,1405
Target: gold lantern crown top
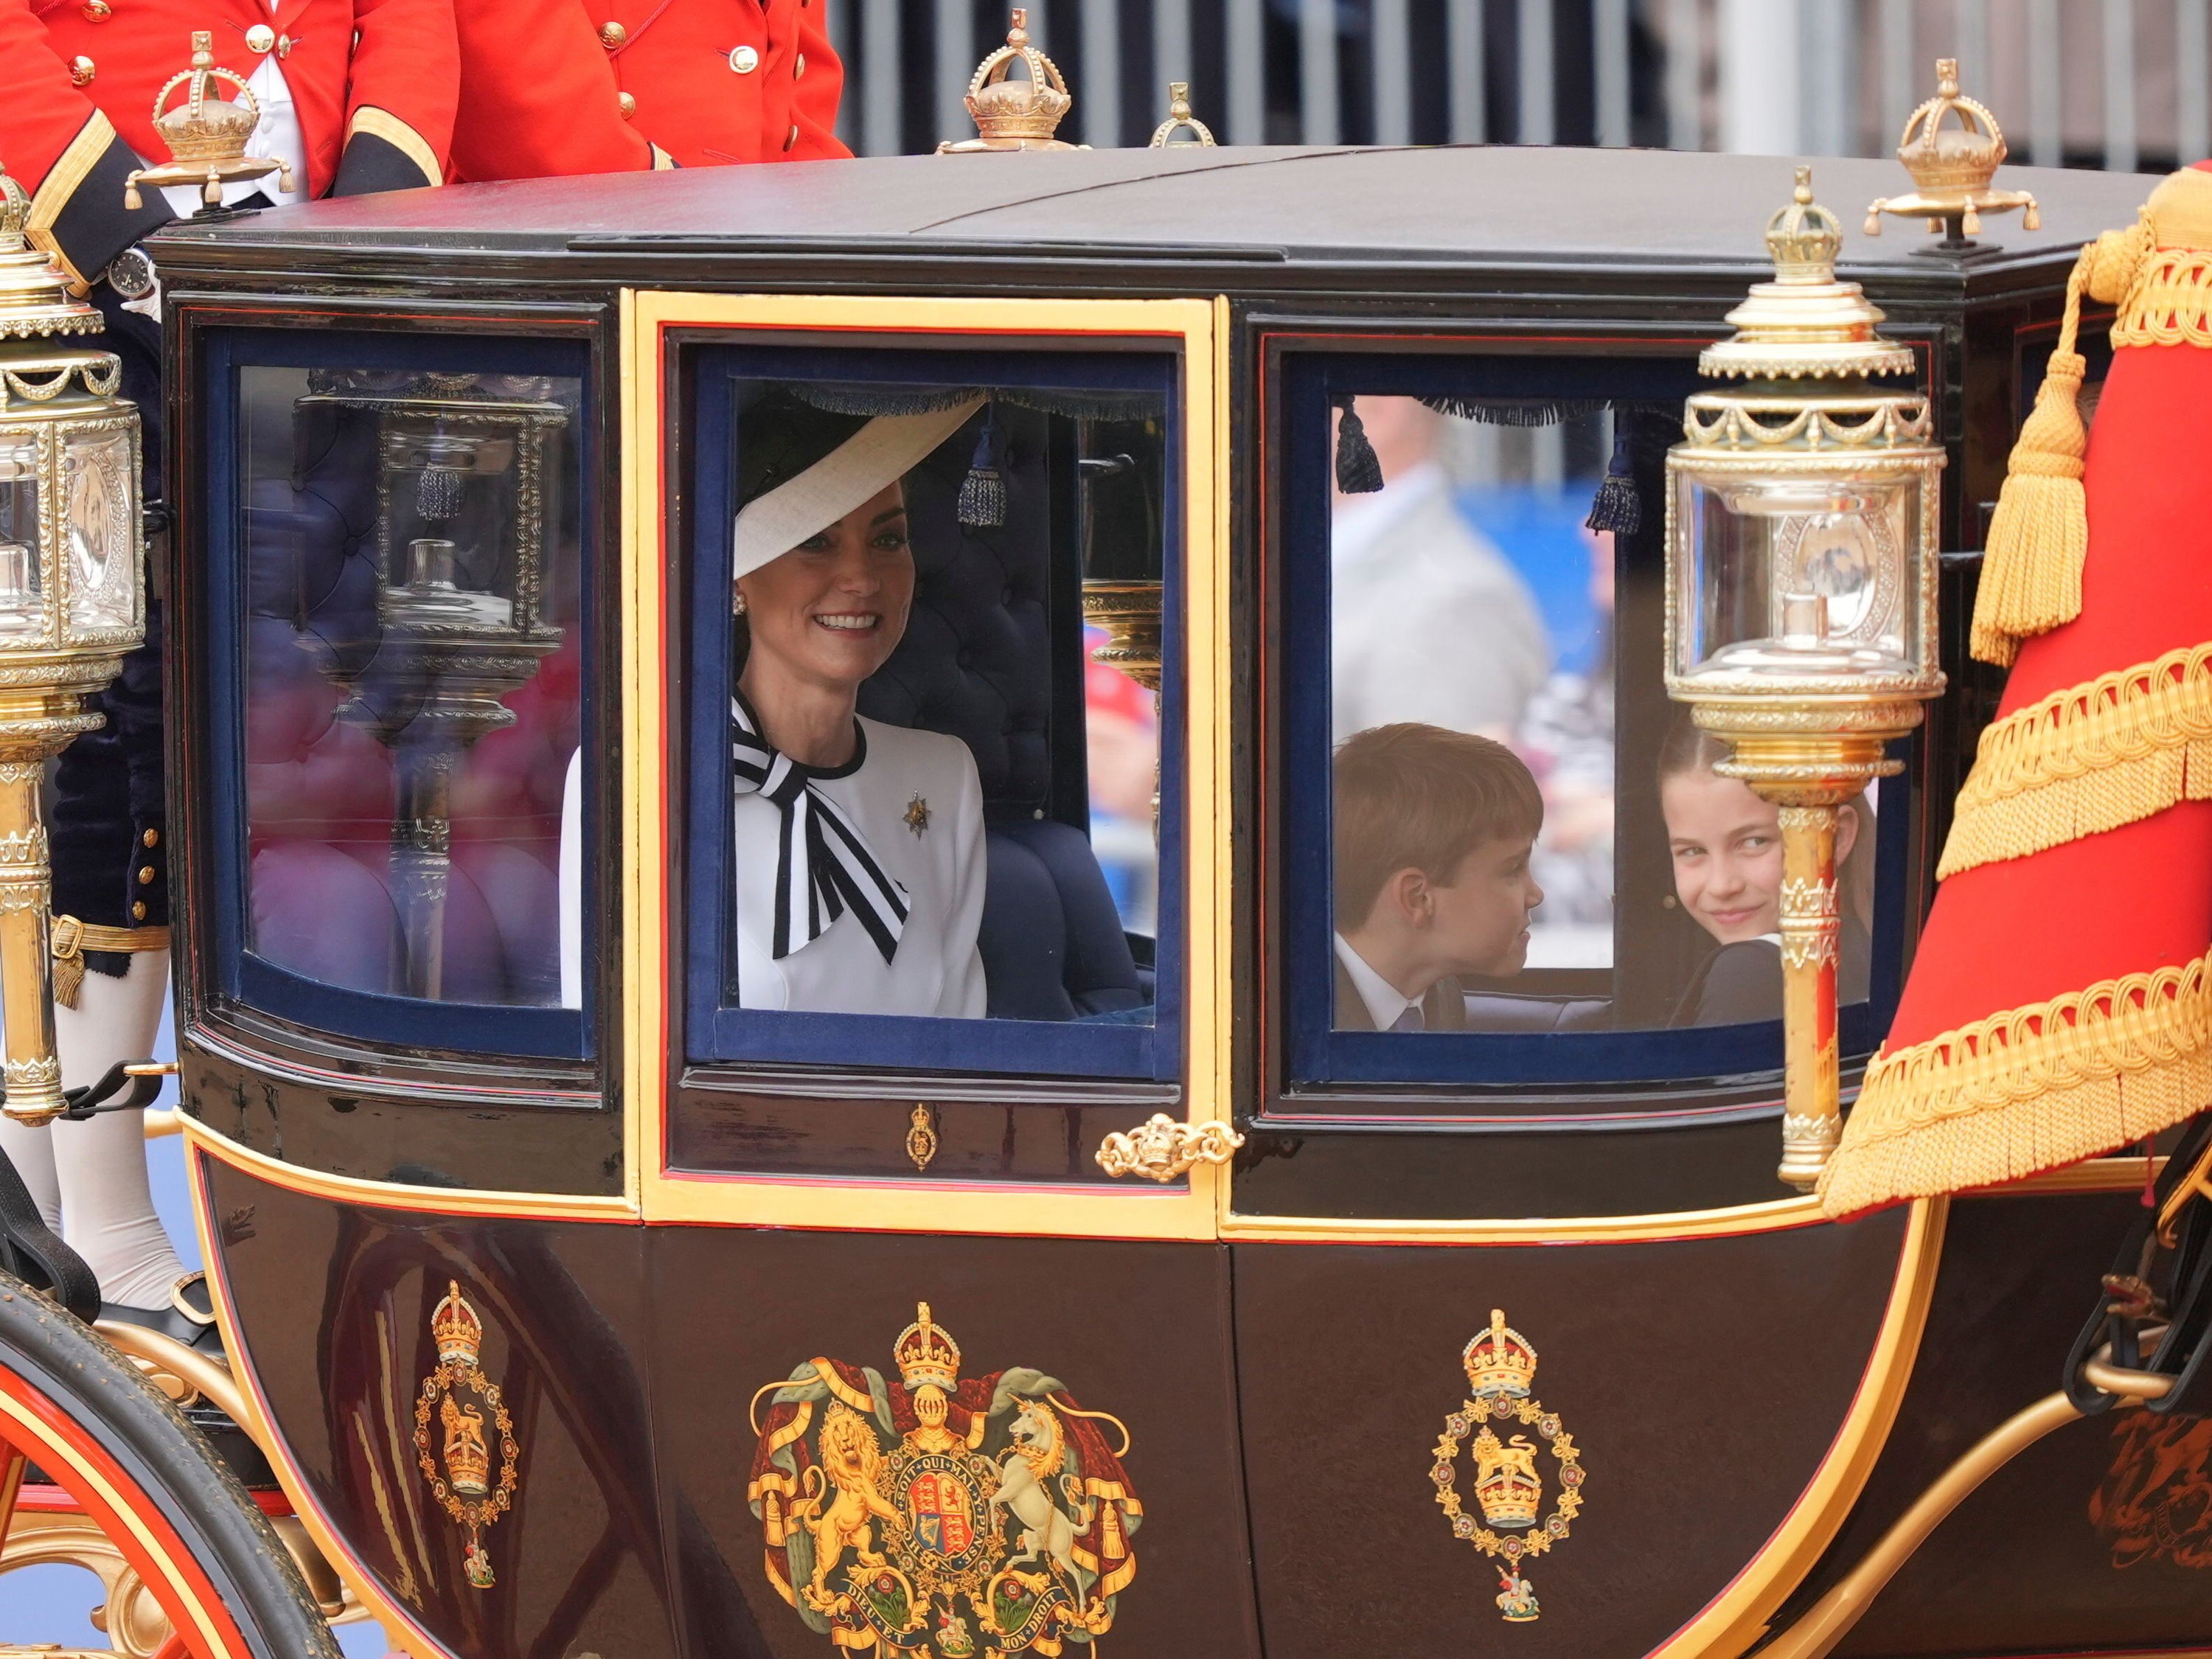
1181,119
207,134
1953,162
34,296
926,1353
1012,115
1804,322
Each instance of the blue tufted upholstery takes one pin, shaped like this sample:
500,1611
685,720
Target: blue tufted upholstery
977,662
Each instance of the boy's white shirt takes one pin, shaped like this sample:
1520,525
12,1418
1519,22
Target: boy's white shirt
1385,1001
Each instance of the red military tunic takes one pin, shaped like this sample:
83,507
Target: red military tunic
552,88
374,83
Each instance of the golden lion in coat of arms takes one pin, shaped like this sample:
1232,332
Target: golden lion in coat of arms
942,1514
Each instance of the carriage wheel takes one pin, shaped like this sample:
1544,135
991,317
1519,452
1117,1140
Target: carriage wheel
192,1568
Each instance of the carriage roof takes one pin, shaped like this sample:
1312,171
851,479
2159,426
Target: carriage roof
1626,215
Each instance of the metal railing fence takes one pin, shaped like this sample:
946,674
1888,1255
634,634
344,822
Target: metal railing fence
2125,84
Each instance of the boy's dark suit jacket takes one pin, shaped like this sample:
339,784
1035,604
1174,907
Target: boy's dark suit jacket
1445,1008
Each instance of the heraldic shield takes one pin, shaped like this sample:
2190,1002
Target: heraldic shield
942,1514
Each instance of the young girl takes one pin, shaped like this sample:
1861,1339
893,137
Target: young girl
1726,845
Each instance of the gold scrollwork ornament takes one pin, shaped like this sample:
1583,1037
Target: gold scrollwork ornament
459,1416
1508,1485
1160,1148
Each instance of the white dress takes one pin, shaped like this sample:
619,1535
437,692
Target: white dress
915,800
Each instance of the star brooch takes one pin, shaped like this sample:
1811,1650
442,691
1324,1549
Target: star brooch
917,816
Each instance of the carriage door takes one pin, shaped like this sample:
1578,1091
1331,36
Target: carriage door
929,1378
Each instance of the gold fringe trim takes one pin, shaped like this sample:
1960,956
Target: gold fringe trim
2123,747
2039,539
2027,1089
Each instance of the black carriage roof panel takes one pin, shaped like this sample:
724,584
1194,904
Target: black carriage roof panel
1354,209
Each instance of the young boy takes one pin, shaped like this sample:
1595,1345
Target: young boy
1433,831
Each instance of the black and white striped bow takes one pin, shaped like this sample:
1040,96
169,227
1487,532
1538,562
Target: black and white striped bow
822,863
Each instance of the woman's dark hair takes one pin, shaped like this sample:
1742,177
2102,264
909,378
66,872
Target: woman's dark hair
1688,747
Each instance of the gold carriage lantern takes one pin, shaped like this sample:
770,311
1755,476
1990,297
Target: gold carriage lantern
461,543
72,603
1801,514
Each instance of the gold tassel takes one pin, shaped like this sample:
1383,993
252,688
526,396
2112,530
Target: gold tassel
2040,539
69,979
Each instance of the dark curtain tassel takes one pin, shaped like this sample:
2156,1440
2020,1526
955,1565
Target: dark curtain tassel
1618,507
1358,471
983,491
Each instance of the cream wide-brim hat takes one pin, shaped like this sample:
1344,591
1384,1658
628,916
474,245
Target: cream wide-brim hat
880,453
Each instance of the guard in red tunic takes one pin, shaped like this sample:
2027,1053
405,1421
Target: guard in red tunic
551,87
352,96
358,95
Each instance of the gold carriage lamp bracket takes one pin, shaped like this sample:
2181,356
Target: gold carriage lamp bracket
1179,119
1802,519
1160,1148
1951,162
207,134
1012,115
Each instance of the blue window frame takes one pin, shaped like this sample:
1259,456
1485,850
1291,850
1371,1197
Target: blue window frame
719,1028
1312,386
244,973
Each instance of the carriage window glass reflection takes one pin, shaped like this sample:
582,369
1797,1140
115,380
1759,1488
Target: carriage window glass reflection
1524,840
413,680
944,615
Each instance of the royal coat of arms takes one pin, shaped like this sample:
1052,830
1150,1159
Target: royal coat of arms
942,1514
459,1417
1508,1484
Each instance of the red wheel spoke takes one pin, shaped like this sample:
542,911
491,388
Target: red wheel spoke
12,1465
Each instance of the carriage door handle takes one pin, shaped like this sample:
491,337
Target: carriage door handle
1160,1148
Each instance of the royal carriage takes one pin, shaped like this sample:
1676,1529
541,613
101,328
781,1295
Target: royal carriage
577,1305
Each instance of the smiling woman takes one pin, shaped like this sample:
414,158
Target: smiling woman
834,813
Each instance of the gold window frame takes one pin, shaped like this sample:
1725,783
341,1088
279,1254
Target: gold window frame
1197,332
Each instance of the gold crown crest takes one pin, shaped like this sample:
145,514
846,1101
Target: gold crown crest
1499,1362
207,134
455,1328
925,1354
1012,115
1954,163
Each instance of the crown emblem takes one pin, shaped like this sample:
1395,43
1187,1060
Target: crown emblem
1506,1484
925,1354
34,296
207,134
1012,115
455,1328
1500,1364
1804,237
1952,146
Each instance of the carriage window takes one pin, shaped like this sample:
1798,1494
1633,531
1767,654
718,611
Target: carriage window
1527,840
412,692
932,598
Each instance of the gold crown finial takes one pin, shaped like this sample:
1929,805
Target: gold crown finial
1804,238
1011,114
207,134
1499,1362
1180,117
1952,147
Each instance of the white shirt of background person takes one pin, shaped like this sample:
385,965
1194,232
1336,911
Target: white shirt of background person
276,138
1429,621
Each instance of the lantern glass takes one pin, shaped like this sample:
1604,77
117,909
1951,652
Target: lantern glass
101,528
1798,574
22,583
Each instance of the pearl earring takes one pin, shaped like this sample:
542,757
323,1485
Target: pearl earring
738,606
